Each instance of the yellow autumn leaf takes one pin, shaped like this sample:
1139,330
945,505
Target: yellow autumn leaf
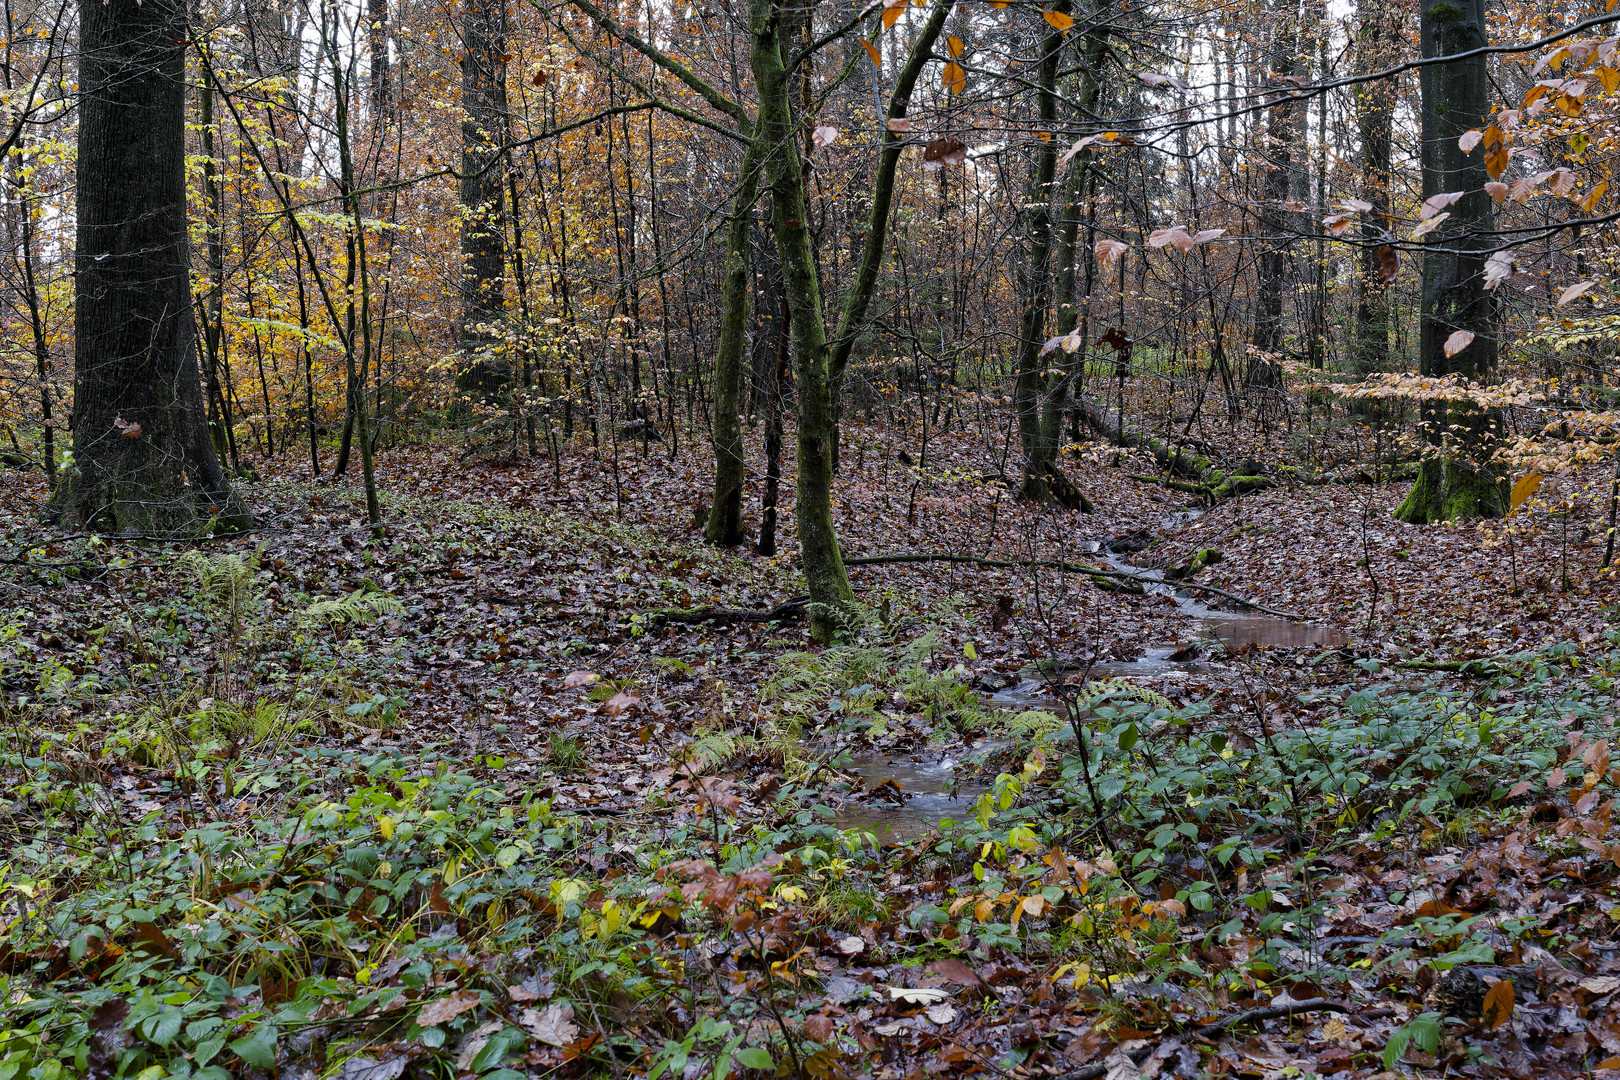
872,51
1591,200
892,16
955,78
1058,20
385,826
1609,78
1524,487
953,45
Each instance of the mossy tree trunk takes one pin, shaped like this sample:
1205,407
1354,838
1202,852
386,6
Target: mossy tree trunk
1043,480
724,526
1460,481
831,599
143,460
852,320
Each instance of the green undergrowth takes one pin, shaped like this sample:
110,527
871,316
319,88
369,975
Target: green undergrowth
862,686
1211,850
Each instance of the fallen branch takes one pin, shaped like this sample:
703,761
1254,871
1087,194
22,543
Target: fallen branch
1068,568
790,608
1269,1012
1483,668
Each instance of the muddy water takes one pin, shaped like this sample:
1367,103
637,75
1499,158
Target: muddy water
926,777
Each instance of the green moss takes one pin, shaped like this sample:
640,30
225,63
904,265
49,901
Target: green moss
1446,13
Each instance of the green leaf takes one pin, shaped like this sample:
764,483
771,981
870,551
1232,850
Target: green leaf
208,1050
258,1049
167,1026
752,1057
1128,737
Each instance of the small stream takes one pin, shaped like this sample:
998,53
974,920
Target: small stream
926,775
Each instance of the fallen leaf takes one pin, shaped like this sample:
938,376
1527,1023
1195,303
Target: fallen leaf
554,1025
442,1009
851,945
941,1014
1498,1005
916,995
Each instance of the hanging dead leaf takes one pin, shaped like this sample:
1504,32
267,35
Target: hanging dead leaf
1204,236
1498,1005
1337,224
1589,203
1496,161
1458,341
1563,181
1436,203
1110,251
1498,268
1575,292
1428,225
824,136
1357,206
1389,264
899,125
943,151
1497,190
1470,139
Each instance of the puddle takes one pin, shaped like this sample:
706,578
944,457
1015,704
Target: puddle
927,775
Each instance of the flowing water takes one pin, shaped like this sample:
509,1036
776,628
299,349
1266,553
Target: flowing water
926,777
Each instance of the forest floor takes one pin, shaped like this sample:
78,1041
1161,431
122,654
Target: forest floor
466,800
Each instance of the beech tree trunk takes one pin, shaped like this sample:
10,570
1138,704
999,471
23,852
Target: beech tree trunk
143,462
1459,481
486,371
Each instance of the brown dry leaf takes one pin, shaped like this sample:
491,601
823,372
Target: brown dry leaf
554,1025
443,1009
1498,1005
621,703
1458,341
1389,264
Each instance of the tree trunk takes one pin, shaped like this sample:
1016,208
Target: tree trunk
1376,45
485,370
831,599
1461,482
1043,480
1282,122
852,320
724,527
143,462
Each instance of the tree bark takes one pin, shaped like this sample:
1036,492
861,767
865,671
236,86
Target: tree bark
832,601
486,371
143,462
1459,481
1376,43
1043,480
724,527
